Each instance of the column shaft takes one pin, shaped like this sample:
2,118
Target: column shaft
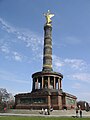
48,81
54,83
59,102
47,51
58,83
37,84
42,82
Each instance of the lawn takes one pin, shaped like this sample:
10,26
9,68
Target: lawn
39,118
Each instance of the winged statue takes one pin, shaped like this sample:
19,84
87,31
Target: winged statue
48,16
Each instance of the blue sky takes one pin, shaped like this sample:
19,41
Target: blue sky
21,43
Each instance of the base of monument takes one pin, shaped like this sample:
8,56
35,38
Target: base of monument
45,98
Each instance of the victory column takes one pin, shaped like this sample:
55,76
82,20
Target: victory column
47,84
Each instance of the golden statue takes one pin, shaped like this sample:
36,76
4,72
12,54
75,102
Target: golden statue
48,16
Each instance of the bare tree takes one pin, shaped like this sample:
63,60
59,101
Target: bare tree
6,99
4,95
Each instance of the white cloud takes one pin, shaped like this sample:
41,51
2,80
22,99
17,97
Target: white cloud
8,76
4,49
84,77
80,76
6,26
72,64
77,64
10,54
57,63
30,39
17,57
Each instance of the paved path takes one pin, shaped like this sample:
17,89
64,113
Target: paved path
55,113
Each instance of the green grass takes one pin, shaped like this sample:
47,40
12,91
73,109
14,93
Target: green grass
39,118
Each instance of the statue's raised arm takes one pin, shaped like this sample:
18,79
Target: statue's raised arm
48,16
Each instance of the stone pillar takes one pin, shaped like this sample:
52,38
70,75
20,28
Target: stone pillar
33,85
42,82
36,85
54,83
59,102
48,81
58,83
47,51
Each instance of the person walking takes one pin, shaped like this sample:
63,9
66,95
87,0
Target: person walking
46,111
80,113
76,112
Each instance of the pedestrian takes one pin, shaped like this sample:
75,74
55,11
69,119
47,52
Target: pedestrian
5,109
42,111
45,111
80,113
76,112
48,111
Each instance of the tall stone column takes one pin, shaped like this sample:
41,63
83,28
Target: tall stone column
47,51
